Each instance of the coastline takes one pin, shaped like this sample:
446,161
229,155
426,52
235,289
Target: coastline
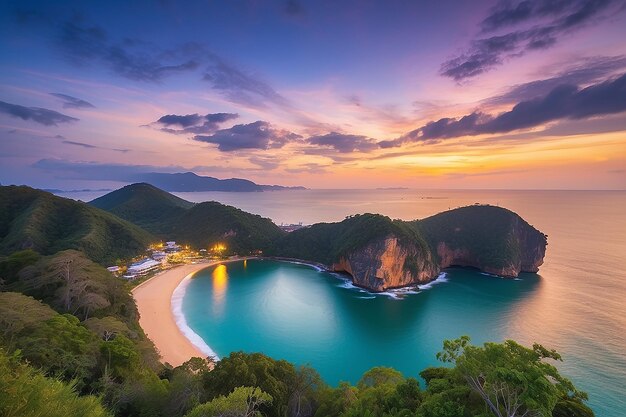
159,302
156,316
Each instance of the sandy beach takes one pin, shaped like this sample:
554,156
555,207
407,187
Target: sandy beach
154,301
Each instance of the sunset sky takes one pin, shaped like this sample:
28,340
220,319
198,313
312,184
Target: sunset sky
324,94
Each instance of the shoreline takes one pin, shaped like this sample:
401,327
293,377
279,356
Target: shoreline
156,317
159,302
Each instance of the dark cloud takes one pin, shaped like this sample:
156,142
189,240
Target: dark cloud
257,135
344,143
563,102
141,61
37,114
131,58
63,169
89,146
587,71
240,87
81,144
70,102
194,123
507,13
547,21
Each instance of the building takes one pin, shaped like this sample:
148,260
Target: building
159,255
171,247
143,267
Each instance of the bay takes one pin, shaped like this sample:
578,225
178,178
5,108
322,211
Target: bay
577,303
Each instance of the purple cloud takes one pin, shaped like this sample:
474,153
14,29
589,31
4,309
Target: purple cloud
256,135
37,114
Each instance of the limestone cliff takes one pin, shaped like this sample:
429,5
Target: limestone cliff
380,253
492,239
388,263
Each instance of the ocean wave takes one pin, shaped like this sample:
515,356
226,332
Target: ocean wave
317,268
396,293
443,277
181,321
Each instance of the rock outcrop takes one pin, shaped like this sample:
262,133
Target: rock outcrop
380,253
492,239
387,263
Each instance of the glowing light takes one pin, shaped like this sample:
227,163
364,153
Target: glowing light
219,247
220,283
245,263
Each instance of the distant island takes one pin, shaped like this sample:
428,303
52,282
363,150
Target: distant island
378,253
190,182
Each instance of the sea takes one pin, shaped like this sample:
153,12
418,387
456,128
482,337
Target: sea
576,304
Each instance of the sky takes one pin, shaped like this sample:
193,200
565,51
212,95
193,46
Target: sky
324,94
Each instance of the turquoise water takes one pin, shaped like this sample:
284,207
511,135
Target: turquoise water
577,305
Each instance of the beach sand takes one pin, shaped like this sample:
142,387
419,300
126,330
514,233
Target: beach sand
154,301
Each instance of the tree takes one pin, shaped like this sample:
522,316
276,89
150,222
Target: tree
380,375
68,273
242,402
305,386
26,392
511,379
253,370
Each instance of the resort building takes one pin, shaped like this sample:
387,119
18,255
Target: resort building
171,247
143,267
159,256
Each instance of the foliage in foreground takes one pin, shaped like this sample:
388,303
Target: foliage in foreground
25,392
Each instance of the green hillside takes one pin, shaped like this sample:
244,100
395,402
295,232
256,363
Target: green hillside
327,242
144,205
493,235
199,225
35,219
208,223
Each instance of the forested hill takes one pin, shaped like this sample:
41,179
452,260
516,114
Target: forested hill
490,238
145,205
35,219
198,225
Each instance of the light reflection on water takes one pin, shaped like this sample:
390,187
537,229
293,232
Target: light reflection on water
220,284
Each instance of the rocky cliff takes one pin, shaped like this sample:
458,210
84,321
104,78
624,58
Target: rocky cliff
380,253
492,239
388,263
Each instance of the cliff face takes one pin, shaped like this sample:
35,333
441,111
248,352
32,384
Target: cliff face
380,253
388,263
491,239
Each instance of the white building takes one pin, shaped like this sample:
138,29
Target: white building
171,247
143,267
159,255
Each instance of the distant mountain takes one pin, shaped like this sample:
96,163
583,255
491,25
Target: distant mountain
35,219
190,182
200,225
144,205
